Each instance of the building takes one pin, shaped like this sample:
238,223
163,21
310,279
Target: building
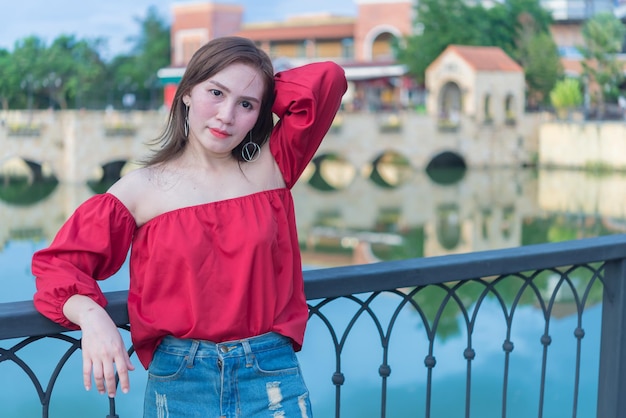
363,45
569,17
481,82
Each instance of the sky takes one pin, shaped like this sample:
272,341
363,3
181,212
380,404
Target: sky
116,19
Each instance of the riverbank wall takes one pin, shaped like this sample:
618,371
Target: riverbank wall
583,145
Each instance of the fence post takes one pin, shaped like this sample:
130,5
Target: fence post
612,376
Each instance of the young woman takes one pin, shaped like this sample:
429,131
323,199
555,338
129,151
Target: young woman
216,301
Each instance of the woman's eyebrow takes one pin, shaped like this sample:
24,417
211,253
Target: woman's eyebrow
227,90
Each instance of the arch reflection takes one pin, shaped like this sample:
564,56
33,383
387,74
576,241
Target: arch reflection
390,169
24,182
332,172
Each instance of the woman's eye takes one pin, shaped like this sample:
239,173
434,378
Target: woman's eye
246,104
215,92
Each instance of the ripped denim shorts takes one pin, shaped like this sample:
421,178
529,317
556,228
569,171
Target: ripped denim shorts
253,377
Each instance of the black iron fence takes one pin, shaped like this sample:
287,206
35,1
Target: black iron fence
573,275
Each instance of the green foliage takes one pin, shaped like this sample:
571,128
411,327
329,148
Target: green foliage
567,94
6,87
603,36
137,73
75,67
538,55
440,23
71,72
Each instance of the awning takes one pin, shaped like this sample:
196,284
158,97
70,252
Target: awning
368,72
373,72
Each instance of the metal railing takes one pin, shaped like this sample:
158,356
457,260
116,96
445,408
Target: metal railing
584,272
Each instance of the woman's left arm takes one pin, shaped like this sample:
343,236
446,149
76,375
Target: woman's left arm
307,100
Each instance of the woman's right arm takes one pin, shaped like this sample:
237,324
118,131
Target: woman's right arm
102,346
92,245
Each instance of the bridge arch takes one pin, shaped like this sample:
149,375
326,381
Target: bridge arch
16,166
447,167
109,172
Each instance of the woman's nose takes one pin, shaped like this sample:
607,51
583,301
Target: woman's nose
226,113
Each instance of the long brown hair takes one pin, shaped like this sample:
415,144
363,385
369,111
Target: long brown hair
207,61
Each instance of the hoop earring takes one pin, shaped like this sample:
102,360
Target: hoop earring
251,151
186,126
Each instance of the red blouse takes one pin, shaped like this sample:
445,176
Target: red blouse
218,271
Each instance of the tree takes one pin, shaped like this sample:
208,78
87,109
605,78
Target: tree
442,23
603,35
541,18
27,69
73,67
537,53
54,75
7,89
72,73
137,73
566,95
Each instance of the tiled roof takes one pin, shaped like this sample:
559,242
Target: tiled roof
485,58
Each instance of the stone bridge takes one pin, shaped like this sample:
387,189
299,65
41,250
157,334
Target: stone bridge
77,146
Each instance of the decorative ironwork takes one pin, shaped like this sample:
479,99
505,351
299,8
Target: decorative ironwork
583,273
461,299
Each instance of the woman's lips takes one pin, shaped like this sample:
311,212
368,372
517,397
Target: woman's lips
218,133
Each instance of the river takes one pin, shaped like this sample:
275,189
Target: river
365,221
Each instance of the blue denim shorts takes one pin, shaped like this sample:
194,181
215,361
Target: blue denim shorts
253,377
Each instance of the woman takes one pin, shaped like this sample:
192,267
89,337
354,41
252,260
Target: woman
216,301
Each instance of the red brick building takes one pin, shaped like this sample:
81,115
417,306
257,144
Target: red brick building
363,45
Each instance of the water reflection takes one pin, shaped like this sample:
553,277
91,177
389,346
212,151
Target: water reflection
359,221
21,192
352,219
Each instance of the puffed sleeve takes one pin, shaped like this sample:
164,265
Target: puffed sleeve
307,99
91,245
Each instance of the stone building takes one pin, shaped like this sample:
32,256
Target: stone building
362,44
482,83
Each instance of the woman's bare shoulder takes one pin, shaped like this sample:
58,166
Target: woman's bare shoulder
134,189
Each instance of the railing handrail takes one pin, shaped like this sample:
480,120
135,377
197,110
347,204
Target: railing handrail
441,269
371,277
541,271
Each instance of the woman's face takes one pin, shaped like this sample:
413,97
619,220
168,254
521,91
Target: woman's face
224,108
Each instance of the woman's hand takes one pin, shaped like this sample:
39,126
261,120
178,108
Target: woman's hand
102,345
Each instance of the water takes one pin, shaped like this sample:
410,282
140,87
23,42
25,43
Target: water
481,210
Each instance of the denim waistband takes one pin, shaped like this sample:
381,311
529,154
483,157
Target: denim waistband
235,348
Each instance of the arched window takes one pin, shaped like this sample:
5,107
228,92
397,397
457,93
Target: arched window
450,106
382,47
488,114
509,110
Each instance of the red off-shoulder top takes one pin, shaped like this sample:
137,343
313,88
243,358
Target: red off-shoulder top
218,271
